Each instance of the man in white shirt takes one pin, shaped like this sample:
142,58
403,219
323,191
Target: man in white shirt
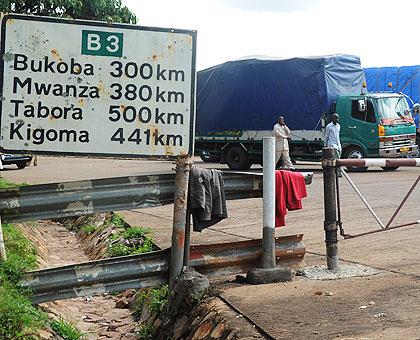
332,137
282,132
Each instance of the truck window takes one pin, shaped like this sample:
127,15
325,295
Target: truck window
370,116
367,116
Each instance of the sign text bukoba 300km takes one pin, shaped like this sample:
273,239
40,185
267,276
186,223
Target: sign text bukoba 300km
77,87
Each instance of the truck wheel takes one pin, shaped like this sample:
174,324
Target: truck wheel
393,168
354,152
237,159
21,165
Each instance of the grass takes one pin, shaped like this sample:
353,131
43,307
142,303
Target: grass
21,255
158,298
18,318
88,229
145,332
136,232
136,240
154,298
117,221
67,330
5,184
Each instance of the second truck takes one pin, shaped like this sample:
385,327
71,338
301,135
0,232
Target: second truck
238,103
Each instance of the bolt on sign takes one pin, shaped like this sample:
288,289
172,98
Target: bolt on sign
92,88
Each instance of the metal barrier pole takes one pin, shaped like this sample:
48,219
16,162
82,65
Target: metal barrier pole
330,222
269,202
180,217
3,256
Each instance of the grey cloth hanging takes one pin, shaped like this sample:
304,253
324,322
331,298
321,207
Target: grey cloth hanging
206,197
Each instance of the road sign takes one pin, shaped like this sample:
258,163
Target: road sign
93,88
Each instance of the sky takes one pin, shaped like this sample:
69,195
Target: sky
381,33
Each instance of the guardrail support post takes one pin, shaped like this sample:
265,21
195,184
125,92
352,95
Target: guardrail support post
330,208
269,202
180,217
3,257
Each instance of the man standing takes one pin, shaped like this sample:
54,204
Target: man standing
332,137
282,132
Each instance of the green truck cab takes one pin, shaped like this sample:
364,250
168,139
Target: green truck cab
376,125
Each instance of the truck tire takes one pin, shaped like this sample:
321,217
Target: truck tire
21,165
354,152
237,159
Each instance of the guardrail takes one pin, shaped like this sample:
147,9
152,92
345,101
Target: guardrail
152,269
56,200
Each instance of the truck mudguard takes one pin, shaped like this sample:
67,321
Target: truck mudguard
250,94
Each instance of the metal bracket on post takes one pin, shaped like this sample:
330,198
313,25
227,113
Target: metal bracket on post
330,208
3,256
183,164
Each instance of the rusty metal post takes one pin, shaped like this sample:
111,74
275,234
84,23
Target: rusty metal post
180,217
330,209
269,201
3,256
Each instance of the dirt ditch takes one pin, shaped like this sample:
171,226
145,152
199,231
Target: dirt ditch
95,316
108,316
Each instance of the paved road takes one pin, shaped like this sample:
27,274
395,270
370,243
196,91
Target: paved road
301,309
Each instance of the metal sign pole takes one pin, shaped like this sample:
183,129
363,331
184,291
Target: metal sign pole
3,257
269,201
330,222
180,217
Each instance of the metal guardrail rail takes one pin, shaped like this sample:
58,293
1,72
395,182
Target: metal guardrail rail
56,200
152,269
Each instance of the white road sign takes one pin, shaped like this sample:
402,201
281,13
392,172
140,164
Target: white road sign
91,88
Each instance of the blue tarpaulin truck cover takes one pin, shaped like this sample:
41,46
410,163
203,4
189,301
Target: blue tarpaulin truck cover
405,79
250,94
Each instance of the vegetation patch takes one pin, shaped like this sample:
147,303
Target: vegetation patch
89,229
152,298
18,318
67,330
128,240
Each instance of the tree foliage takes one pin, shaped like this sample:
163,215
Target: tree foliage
104,10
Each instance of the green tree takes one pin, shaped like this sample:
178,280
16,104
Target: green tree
104,10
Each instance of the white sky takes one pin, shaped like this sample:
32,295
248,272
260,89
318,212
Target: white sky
381,33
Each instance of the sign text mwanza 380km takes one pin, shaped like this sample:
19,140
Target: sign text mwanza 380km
78,87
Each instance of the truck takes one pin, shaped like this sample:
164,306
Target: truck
401,79
238,103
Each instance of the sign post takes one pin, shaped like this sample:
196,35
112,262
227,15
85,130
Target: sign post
72,87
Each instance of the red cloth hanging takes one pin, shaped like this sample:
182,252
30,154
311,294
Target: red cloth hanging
290,189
